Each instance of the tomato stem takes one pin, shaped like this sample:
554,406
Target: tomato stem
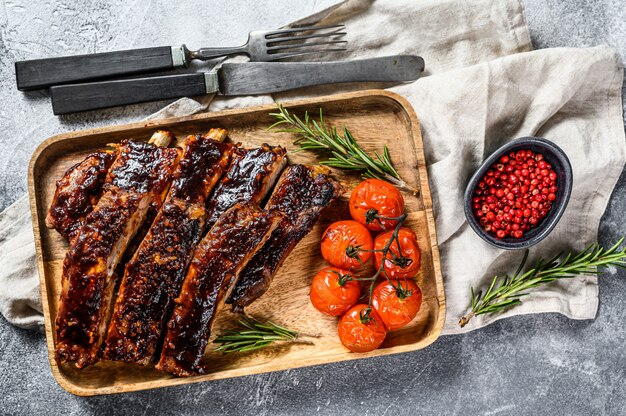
342,279
401,292
365,316
400,218
397,259
363,279
394,237
353,251
372,215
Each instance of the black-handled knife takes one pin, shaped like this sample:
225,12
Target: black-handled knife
250,78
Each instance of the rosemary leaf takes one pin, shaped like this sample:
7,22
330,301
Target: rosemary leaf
343,152
254,335
507,291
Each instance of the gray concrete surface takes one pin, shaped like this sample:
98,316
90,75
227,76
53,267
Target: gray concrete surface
542,364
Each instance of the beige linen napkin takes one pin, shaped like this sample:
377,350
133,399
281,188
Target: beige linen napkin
570,96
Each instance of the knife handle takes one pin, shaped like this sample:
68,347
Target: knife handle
44,73
95,95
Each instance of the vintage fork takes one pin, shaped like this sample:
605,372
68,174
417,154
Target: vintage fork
272,45
268,45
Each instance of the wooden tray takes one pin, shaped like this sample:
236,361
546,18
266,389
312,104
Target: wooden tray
375,117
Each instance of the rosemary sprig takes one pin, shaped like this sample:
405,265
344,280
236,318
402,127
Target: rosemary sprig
344,152
255,334
506,292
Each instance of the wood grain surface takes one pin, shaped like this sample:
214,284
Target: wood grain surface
375,118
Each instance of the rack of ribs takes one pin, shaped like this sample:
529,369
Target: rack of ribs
250,176
154,275
77,192
218,260
138,179
301,194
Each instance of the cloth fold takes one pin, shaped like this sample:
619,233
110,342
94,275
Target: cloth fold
484,87
20,300
569,96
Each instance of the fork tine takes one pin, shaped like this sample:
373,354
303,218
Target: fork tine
303,45
304,37
302,29
278,56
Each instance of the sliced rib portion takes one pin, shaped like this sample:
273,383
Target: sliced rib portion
301,195
78,191
154,275
219,258
159,138
138,178
250,176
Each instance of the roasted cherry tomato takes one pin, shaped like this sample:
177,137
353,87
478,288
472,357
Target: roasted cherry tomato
333,291
361,329
403,261
343,237
372,198
397,303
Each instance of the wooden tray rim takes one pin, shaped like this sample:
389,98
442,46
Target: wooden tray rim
239,372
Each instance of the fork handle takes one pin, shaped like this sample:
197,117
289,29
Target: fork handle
44,73
204,54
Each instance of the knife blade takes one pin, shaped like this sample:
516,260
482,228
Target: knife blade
250,78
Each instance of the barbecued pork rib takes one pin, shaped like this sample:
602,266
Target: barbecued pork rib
154,275
250,176
219,258
160,138
301,194
77,192
138,178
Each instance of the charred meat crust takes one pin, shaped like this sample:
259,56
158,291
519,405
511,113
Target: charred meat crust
77,192
219,258
139,177
250,176
302,193
142,168
203,162
153,277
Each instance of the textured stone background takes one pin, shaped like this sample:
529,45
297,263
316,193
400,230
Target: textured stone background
525,365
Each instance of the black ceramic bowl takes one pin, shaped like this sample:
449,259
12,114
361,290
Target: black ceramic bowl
561,166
